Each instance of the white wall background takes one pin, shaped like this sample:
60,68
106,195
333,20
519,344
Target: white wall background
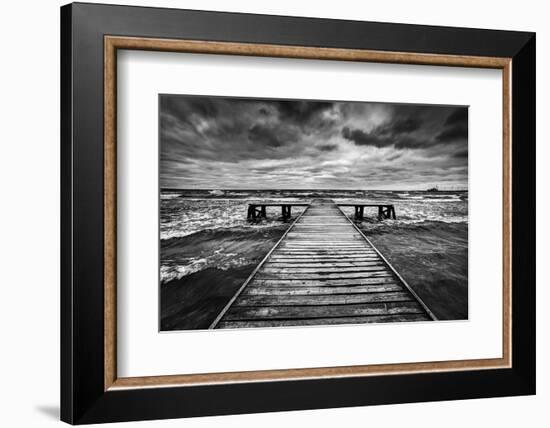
29,217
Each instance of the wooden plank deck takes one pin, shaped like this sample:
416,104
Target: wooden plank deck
322,271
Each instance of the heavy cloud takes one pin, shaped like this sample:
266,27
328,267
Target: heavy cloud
222,142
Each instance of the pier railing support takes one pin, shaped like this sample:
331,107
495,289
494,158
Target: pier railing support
380,213
286,211
386,212
256,212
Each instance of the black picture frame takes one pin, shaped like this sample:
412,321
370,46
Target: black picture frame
83,397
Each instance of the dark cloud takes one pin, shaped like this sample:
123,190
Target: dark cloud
212,142
398,127
398,132
459,116
185,108
455,127
384,136
327,147
363,138
301,111
412,133
461,153
452,133
261,134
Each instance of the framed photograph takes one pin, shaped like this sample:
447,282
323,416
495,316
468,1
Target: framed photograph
265,213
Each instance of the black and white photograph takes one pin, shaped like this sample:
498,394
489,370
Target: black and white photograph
282,212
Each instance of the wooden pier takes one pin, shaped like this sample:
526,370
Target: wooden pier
323,270
258,210
384,211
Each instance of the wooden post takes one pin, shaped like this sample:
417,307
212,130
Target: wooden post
263,212
380,212
393,212
285,211
250,215
361,212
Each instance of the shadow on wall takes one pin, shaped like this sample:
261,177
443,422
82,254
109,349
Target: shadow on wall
49,410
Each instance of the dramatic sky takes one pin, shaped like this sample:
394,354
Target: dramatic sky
231,143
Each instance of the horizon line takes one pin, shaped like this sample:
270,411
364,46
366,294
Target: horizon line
313,190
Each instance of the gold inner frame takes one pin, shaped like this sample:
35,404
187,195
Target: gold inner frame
113,43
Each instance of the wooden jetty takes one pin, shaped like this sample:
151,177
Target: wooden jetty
323,270
384,211
259,210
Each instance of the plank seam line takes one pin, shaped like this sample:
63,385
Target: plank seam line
356,293
303,305
321,317
251,276
429,312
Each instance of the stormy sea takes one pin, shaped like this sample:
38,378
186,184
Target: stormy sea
208,248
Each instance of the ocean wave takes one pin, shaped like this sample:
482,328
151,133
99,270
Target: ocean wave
400,221
185,216
171,270
215,249
426,220
419,211
168,196
188,230
184,213
411,229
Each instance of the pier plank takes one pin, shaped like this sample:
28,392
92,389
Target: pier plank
325,269
326,250
323,321
300,300
311,290
323,282
320,263
328,275
322,259
321,311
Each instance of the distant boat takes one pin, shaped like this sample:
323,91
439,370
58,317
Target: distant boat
433,189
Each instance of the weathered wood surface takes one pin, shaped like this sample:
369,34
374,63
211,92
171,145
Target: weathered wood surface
322,321
323,271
